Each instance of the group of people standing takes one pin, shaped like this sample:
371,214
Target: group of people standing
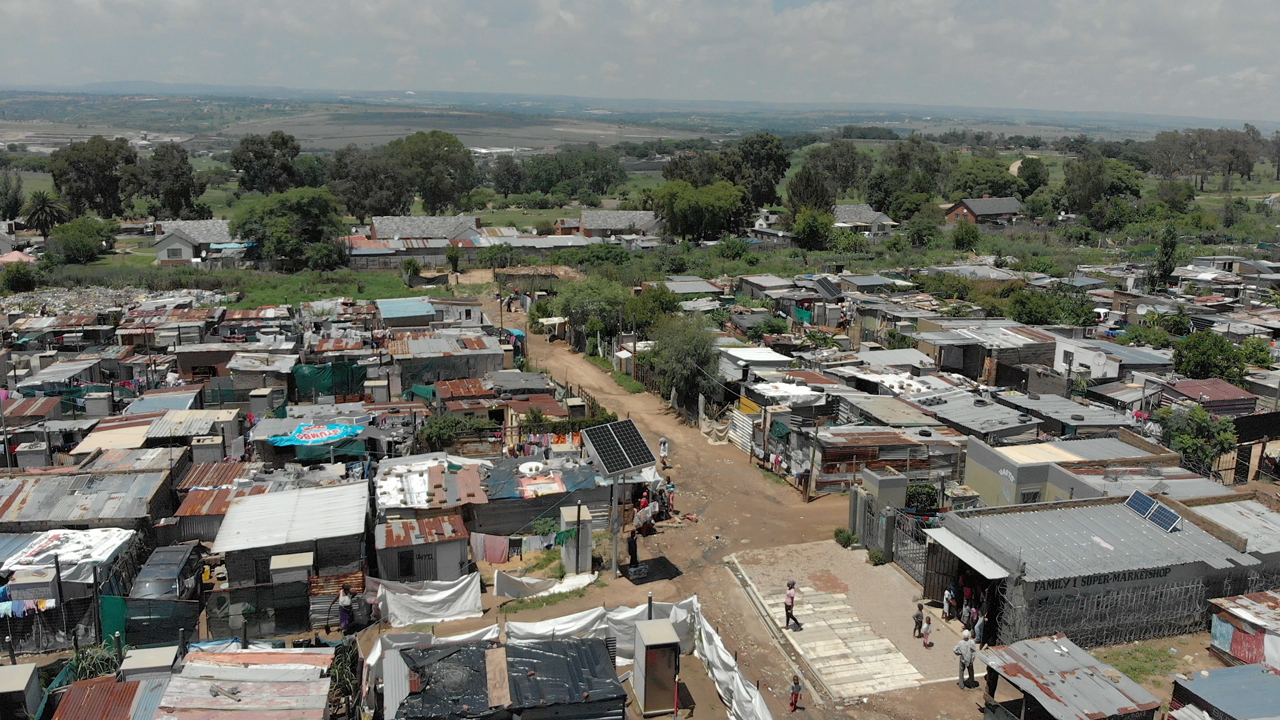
967,602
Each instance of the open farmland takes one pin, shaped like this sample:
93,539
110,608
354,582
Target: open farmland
330,130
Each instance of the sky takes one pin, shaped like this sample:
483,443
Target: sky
1204,58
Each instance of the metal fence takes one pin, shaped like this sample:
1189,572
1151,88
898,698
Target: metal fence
910,544
149,621
60,628
1110,617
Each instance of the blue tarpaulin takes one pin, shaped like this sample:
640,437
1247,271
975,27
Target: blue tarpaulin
316,435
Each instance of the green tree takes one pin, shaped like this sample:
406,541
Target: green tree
98,174
733,249
1092,180
266,164
167,178
1060,305
920,231
764,162
842,161
508,175
1159,271
1207,354
684,358
44,212
497,256
769,326
978,177
965,237
19,277
286,224
441,431
810,189
311,171
844,240
1039,204
370,184
82,240
1256,351
595,298
411,267
643,311
1156,337
704,213
11,196
1198,436
906,205
454,256
440,166
1034,173
1176,194
812,229
325,256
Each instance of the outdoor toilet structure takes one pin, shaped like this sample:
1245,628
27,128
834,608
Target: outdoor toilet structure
657,662
576,552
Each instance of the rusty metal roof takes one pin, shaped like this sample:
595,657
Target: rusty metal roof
404,533
338,344
126,460
464,388
185,423
1259,609
101,699
1211,390
203,502
221,474
428,344
113,500
329,585
40,407
106,352
1069,683
269,312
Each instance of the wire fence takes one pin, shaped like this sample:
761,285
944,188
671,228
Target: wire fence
1110,617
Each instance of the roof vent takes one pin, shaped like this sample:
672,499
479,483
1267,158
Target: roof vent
1077,418
1033,396
525,398
926,433
1024,418
980,402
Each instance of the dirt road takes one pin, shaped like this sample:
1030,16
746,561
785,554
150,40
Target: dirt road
737,507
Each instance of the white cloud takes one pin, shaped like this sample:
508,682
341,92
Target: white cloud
1205,57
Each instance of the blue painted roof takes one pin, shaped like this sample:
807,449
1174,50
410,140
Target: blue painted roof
405,307
1244,691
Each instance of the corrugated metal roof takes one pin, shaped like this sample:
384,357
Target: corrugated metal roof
403,533
147,699
200,503
1089,540
59,372
186,423
134,460
222,474
1211,390
100,699
74,499
262,362
1245,691
427,344
266,689
1069,683
40,407
405,307
1256,522
338,344
294,516
1091,449
1259,609
270,312
12,544
106,352
1056,407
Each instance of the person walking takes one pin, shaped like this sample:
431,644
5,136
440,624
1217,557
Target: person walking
789,605
918,619
965,651
926,631
979,630
795,691
664,449
343,601
671,494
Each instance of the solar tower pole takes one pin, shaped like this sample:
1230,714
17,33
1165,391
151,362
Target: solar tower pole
613,523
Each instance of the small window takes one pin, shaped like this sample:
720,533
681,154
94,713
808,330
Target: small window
1030,496
404,561
174,253
468,313
1068,359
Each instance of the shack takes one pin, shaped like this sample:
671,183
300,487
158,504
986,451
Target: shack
1246,629
1057,679
429,549
1246,692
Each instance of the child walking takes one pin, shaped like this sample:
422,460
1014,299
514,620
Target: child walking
927,630
795,691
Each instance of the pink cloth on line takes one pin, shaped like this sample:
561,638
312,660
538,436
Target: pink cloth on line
496,548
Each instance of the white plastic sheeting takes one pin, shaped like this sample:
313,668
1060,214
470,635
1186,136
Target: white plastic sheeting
510,586
616,622
405,604
744,701
78,551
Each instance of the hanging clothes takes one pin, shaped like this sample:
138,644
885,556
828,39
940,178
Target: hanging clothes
496,549
477,546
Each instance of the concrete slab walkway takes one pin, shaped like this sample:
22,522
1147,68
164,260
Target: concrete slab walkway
857,634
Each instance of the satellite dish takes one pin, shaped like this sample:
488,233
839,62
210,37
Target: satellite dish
1099,358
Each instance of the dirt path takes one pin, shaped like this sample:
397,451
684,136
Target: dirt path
738,508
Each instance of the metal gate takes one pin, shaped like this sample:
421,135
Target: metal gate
872,536
910,544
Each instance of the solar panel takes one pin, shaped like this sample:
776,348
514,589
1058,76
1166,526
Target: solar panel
618,447
1140,503
1165,519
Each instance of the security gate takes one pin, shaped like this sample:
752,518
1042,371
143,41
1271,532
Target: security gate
910,544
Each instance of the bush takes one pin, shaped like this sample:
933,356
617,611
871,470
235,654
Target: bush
846,538
545,526
20,277
875,557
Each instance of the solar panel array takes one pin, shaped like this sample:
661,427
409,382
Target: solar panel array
1157,513
618,447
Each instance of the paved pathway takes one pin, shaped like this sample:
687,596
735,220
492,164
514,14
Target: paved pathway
852,660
